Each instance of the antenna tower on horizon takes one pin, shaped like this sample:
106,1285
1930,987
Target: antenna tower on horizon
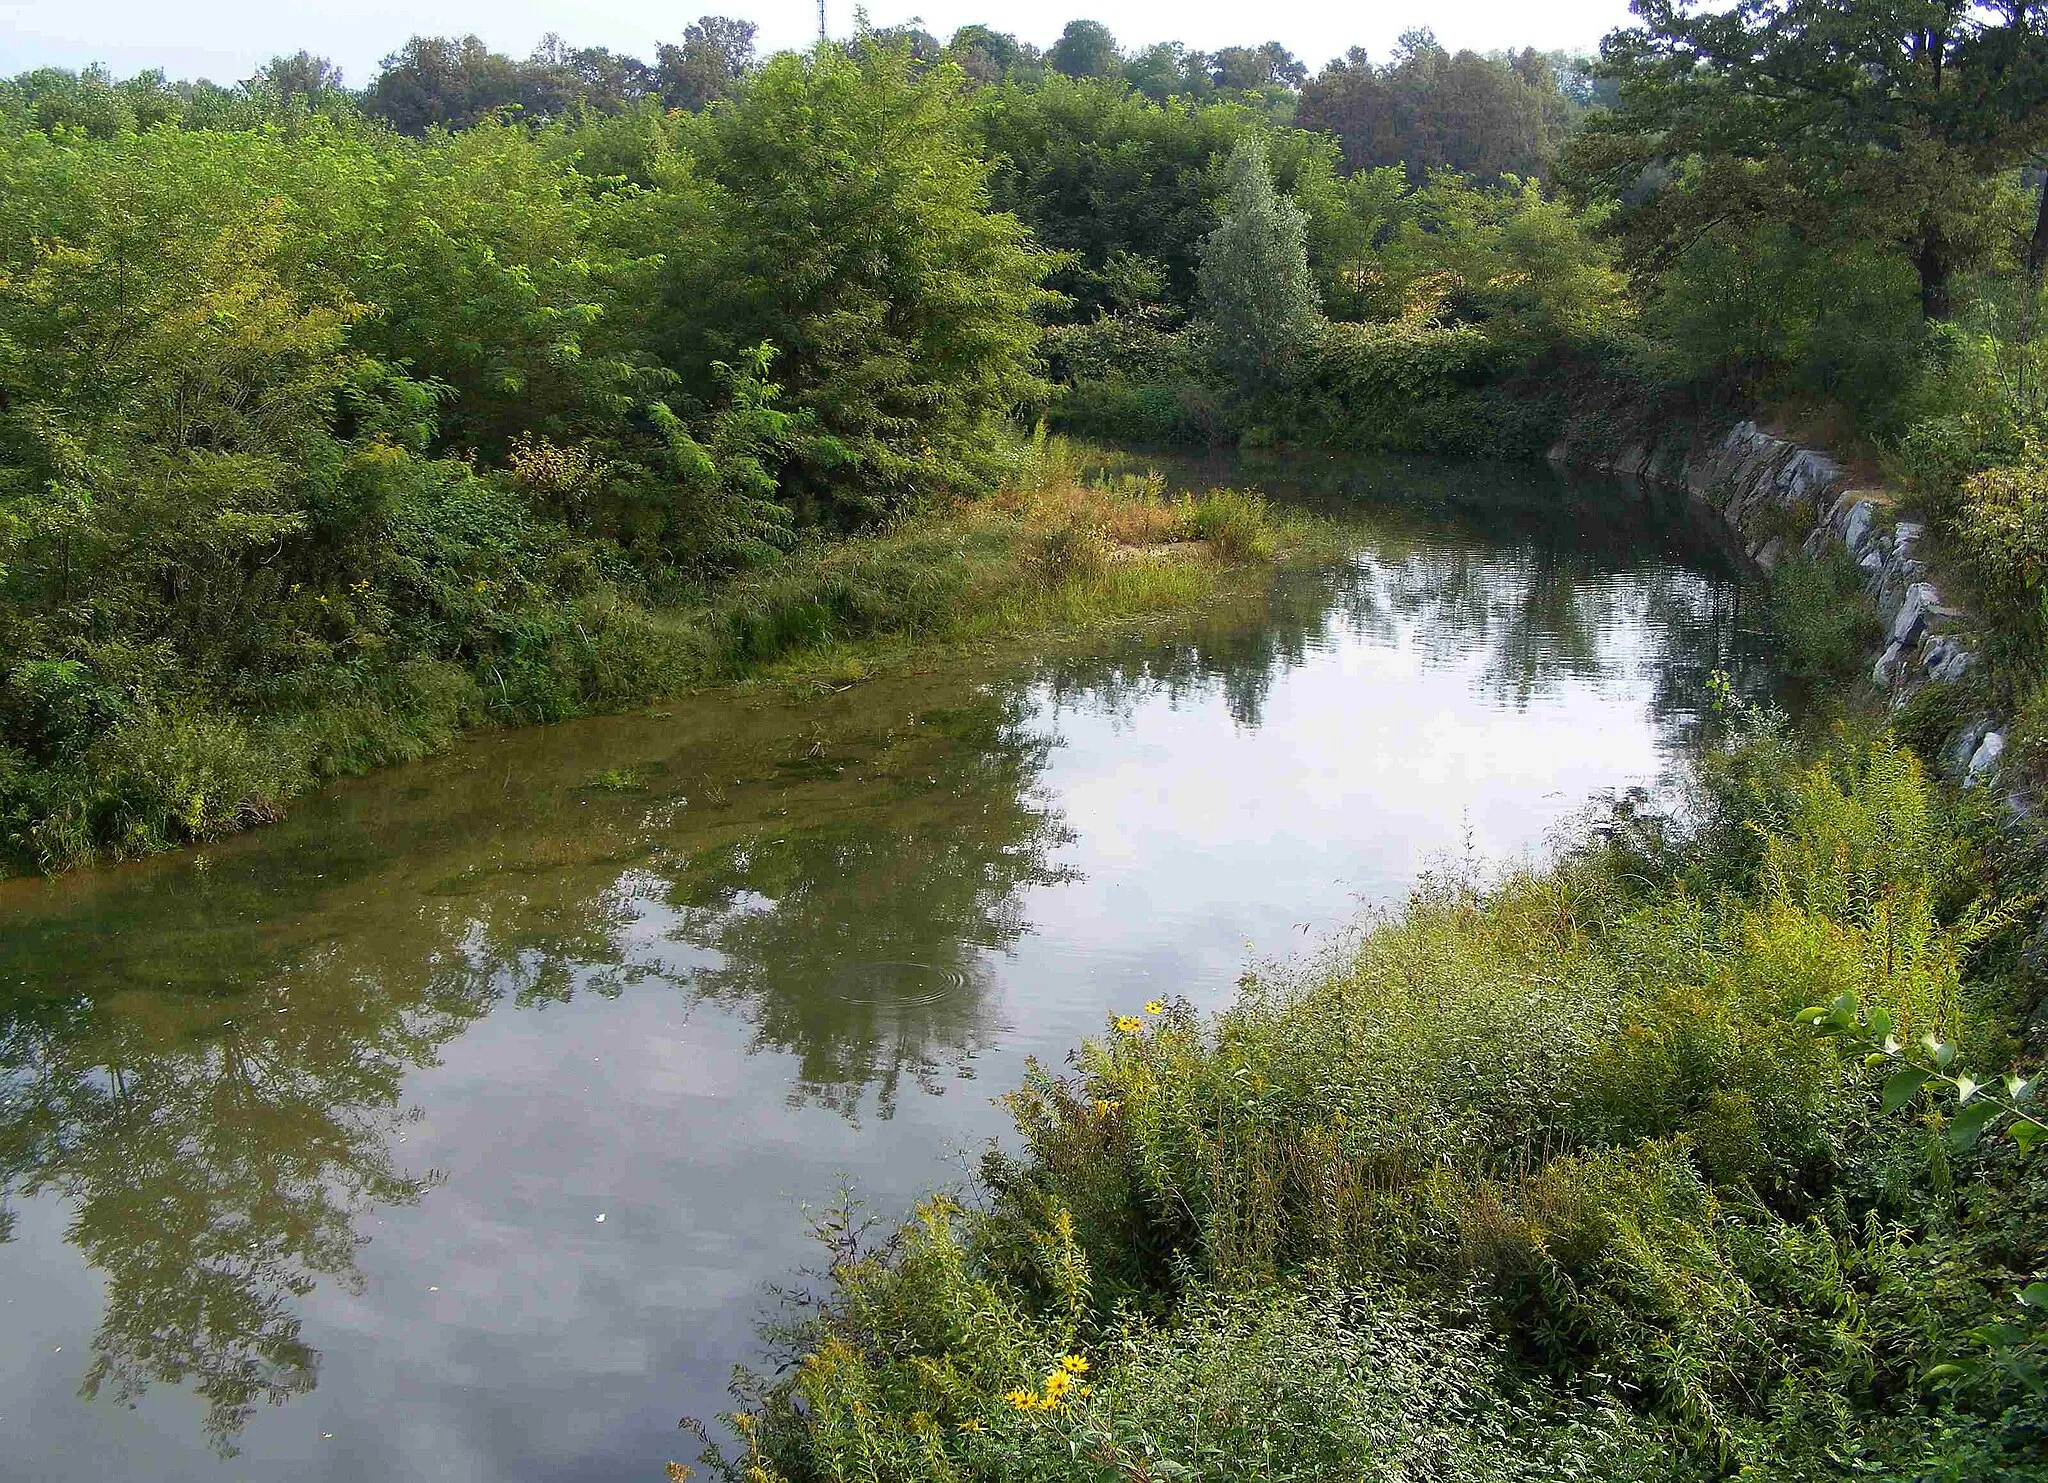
821,20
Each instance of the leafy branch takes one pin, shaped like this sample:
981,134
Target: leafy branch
1980,1103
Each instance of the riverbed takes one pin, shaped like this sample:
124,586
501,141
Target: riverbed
464,1124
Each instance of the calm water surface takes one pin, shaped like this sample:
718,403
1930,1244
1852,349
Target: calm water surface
455,1127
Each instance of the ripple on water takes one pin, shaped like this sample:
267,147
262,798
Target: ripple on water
894,981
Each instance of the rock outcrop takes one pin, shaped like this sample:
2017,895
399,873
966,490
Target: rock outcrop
1778,496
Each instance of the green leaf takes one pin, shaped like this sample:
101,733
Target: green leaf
1879,1023
2025,1134
1970,1122
2019,1088
1902,1087
1813,1014
1943,1051
1941,1374
2034,1295
1966,1087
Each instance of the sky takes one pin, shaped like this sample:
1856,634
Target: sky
226,40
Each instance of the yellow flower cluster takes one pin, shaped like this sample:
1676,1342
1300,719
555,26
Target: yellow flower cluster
1130,1024
1155,1006
1105,1106
1052,1393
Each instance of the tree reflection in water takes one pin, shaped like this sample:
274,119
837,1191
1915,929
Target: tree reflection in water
208,1067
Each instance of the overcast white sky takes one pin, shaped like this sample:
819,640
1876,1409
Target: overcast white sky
228,39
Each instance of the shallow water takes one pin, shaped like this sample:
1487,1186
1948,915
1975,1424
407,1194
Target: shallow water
456,1127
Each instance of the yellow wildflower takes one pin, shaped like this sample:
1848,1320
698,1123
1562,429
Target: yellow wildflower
1023,1400
1074,1364
1057,1384
1155,1006
1130,1024
971,1424
1104,1106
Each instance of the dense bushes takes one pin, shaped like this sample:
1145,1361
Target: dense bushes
317,443
1561,1139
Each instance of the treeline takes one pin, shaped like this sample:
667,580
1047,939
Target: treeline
1426,107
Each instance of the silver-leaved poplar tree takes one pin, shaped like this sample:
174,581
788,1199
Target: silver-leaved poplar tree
1255,280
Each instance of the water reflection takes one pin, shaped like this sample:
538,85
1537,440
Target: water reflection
206,1060
215,1167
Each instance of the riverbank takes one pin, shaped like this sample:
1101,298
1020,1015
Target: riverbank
1062,548
1534,1179
1793,505
1637,1166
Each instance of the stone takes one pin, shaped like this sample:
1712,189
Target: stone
1806,474
1856,529
1773,550
1958,662
1962,747
1985,758
1913,612
1887,665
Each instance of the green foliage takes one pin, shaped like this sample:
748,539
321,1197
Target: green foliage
1561,1134
1427,109
1829,116
1255,281
1818,608
317,443
855,235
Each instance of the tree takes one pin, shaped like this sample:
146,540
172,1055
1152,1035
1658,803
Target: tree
1869,119
1255,280
1430,109
1085,49
1248,68
986,55
301,75
1170,70
559,80
441,81
717,51
855,236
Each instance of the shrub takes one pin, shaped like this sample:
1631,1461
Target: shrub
2002,529
1237,525
1818,610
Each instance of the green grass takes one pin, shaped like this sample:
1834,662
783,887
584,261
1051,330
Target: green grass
1534,1179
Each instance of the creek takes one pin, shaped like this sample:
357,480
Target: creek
459,1126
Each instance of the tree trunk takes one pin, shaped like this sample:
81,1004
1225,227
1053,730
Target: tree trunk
1932,260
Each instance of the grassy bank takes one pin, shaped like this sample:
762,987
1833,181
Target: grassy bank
1539,1178
1055,551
